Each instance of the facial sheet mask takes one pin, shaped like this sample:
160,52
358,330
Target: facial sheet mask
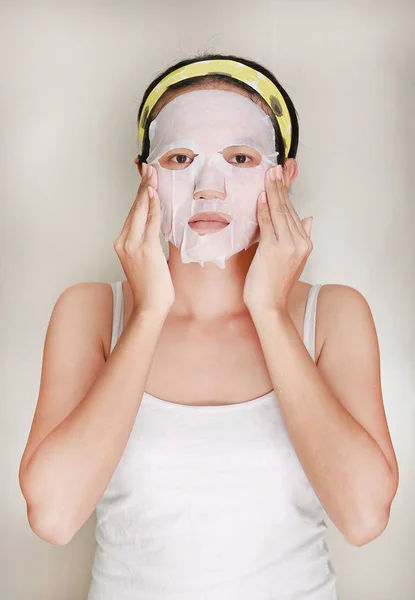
206,122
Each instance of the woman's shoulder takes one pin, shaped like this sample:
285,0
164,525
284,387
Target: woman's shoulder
336,298
330,290
337,305
341,308
333,297
93,293
92,301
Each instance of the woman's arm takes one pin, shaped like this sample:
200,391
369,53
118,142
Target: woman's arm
334,410
85,411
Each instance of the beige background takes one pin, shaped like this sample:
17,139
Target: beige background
72,77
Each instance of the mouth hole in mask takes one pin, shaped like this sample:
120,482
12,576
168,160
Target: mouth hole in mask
204,223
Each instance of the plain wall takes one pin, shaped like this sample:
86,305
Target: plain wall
72,77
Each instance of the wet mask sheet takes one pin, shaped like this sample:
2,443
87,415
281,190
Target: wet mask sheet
206,122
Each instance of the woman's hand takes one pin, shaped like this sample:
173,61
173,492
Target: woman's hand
140,252
283,249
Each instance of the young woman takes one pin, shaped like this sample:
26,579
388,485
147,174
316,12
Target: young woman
208,407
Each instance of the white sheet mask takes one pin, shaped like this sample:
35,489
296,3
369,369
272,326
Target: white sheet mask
206,122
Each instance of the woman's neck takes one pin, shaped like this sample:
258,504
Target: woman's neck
209,293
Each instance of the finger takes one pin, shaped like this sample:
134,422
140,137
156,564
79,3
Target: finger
152,176
307,223
137,217
291,209
293,220
149,179
137,224
294,217
278,210
264,219
138,205
152,229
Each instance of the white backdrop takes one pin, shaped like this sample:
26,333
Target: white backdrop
72,78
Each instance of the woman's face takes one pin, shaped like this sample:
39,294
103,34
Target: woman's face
211,149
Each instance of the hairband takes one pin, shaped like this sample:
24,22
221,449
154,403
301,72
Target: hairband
256,80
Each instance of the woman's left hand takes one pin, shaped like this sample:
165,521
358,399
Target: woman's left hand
283,249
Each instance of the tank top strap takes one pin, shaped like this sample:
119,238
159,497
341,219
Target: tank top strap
117,313
309,329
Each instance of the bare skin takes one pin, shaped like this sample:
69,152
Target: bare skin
188,352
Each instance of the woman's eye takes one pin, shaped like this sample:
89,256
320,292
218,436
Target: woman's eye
241,156
180,158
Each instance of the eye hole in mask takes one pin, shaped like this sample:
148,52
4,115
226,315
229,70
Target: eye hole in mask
251,158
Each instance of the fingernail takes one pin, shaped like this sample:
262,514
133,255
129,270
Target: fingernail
272,174
279,172
143,170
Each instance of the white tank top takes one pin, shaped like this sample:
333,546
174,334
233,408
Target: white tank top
211,503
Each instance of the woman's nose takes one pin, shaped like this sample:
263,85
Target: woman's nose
209,195
209,182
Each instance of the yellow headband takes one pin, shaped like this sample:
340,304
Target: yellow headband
256,80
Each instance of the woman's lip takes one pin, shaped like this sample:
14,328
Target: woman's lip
202,226
208,218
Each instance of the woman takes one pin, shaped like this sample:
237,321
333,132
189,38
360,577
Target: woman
215,412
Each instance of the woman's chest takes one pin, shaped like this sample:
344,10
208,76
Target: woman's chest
217,363
220,364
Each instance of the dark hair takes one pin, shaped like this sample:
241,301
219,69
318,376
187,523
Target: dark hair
211,79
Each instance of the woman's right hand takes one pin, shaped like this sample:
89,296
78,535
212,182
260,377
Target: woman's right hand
140,252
